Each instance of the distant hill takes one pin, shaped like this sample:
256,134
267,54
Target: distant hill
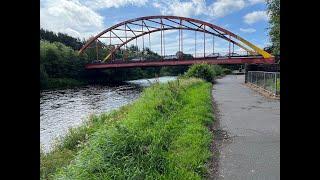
74,43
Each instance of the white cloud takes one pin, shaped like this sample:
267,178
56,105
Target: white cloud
247,30
178,8
255,16
222,8
100,4
189,8
156,5
71,17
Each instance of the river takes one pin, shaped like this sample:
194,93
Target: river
66,108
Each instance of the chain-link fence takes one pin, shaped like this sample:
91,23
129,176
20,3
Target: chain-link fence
269,81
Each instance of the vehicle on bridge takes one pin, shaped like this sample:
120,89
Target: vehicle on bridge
232,54
213,55
170,57
96,61
138,59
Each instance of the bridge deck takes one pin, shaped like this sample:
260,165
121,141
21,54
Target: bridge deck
176,62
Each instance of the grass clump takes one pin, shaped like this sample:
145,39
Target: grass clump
164,135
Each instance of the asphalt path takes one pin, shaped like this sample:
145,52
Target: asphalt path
251,124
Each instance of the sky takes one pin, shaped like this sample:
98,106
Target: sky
86,18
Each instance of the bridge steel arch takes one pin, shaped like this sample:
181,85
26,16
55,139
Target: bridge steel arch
147,25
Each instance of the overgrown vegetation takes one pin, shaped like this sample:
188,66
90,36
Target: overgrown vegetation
206,71
162,135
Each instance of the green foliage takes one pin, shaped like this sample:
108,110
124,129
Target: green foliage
163,135
66,148
43,77
218,70
53,83
49,163
62,66
203,71
58,61
274,10
226,71
74,43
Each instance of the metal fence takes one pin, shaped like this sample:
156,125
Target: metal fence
269,81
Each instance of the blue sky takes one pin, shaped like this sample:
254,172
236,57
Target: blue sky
85,18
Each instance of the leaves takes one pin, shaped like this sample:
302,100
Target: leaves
274,10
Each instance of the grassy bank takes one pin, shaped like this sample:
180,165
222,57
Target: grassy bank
163,135
66,149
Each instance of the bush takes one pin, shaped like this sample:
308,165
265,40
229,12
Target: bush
203,71
218,70
226,71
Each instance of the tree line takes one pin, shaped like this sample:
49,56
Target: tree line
74,43
61,65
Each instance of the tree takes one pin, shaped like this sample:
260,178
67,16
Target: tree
274,11
74,43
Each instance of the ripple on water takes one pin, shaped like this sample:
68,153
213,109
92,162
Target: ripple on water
61,109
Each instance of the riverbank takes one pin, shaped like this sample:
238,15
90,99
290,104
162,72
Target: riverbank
61,83
164,134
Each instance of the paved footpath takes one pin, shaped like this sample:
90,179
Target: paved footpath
253,124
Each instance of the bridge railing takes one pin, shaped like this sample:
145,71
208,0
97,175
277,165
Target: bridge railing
269,81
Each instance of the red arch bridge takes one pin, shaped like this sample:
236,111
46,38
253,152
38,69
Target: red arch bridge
111,47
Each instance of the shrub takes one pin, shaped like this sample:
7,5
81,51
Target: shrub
203,71
218,70
226,71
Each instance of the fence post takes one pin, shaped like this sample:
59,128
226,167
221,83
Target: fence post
275,81
256,79
264,80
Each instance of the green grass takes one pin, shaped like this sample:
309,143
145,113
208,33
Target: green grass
66,149
271,86
163,135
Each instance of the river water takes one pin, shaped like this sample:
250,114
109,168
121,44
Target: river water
63,109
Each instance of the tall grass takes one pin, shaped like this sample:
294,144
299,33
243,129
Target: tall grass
163,135
65,149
